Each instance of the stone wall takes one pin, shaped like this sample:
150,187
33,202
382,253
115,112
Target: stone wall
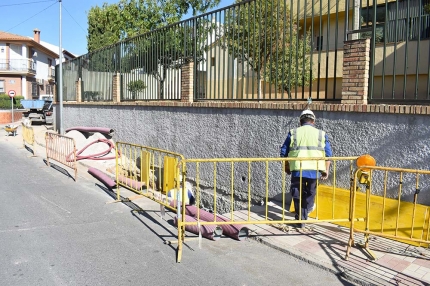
397,136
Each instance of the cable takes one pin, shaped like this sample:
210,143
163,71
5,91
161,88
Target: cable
16,4
73,18
32,16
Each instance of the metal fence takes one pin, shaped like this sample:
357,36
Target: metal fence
267,50
401,218
62,149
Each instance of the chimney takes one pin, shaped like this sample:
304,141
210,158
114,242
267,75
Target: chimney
36,36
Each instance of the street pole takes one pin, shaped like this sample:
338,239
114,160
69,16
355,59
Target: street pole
60,81
11,100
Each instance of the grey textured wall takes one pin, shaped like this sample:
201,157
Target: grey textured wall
394,140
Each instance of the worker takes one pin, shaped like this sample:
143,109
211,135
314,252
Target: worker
306,141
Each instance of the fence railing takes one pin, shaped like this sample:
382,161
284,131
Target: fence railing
398,216
147,171
18,65
28,136
238,192
265,50
62,149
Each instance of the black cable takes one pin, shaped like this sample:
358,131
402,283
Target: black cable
25,3
32,16
73,18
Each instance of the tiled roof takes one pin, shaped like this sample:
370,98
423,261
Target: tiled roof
9,36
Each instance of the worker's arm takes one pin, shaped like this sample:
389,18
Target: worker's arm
328,153
285,148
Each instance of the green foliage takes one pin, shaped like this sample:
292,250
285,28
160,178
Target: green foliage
5,101
427,8
262,34
136,86
112,23
91,95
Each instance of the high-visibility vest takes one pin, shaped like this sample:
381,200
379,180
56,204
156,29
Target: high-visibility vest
307,142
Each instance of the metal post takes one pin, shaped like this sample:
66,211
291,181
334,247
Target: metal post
11,101
60,81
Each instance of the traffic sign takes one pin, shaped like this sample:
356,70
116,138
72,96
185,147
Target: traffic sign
11,93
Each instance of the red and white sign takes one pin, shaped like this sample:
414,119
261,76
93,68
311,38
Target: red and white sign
11,93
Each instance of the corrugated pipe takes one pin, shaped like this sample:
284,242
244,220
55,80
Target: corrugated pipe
134,184
98,156
235,231
102,177
212,232
102,130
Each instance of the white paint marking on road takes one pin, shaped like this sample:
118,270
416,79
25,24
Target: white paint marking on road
55,205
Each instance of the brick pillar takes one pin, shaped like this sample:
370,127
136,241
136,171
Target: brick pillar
187,82
116,86
78,90
355,80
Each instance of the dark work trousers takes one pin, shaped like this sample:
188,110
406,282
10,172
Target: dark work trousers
308,195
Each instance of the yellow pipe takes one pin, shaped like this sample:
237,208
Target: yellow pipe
215,212
267,188
398,202
274,159
232,191
383,200
283,189
249,190
198,189
415,202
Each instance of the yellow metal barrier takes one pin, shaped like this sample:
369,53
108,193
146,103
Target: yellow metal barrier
393,218
61,149
147,171
28,136
245,184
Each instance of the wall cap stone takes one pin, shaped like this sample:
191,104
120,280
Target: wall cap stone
315,106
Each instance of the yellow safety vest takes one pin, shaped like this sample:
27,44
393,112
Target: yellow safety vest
307,142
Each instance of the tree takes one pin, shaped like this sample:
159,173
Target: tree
135,87
427,8
263,34
112,23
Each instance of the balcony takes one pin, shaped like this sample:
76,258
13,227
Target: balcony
18,66
51,74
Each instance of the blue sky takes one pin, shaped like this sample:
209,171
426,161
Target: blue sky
21,17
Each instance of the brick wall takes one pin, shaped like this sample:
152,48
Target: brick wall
6,116
355,80
187,82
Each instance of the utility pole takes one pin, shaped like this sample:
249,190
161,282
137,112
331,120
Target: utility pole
60,80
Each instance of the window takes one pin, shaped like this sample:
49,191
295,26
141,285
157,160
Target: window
2,87
212,61
319,43
34,90
49,89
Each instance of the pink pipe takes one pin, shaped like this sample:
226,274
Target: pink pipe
102,177
235,231
137,185
212,232
103,130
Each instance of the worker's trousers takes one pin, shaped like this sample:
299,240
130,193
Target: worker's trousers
308,195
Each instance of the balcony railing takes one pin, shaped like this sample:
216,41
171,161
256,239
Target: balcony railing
18,65
51,73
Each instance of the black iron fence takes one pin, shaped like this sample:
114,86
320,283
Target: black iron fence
264,50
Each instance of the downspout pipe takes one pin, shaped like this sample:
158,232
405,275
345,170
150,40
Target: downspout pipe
103,130
235,231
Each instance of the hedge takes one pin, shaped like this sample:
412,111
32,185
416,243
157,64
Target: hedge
5,101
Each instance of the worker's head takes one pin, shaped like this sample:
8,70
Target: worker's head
307,116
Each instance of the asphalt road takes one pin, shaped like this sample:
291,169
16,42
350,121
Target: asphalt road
55,231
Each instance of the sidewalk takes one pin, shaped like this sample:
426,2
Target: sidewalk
323,244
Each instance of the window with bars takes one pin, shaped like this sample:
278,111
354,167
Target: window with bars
2,91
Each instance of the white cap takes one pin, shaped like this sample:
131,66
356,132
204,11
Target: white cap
307,113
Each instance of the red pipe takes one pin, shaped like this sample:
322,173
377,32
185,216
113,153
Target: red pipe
103,130
102,177
235,231
212,232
